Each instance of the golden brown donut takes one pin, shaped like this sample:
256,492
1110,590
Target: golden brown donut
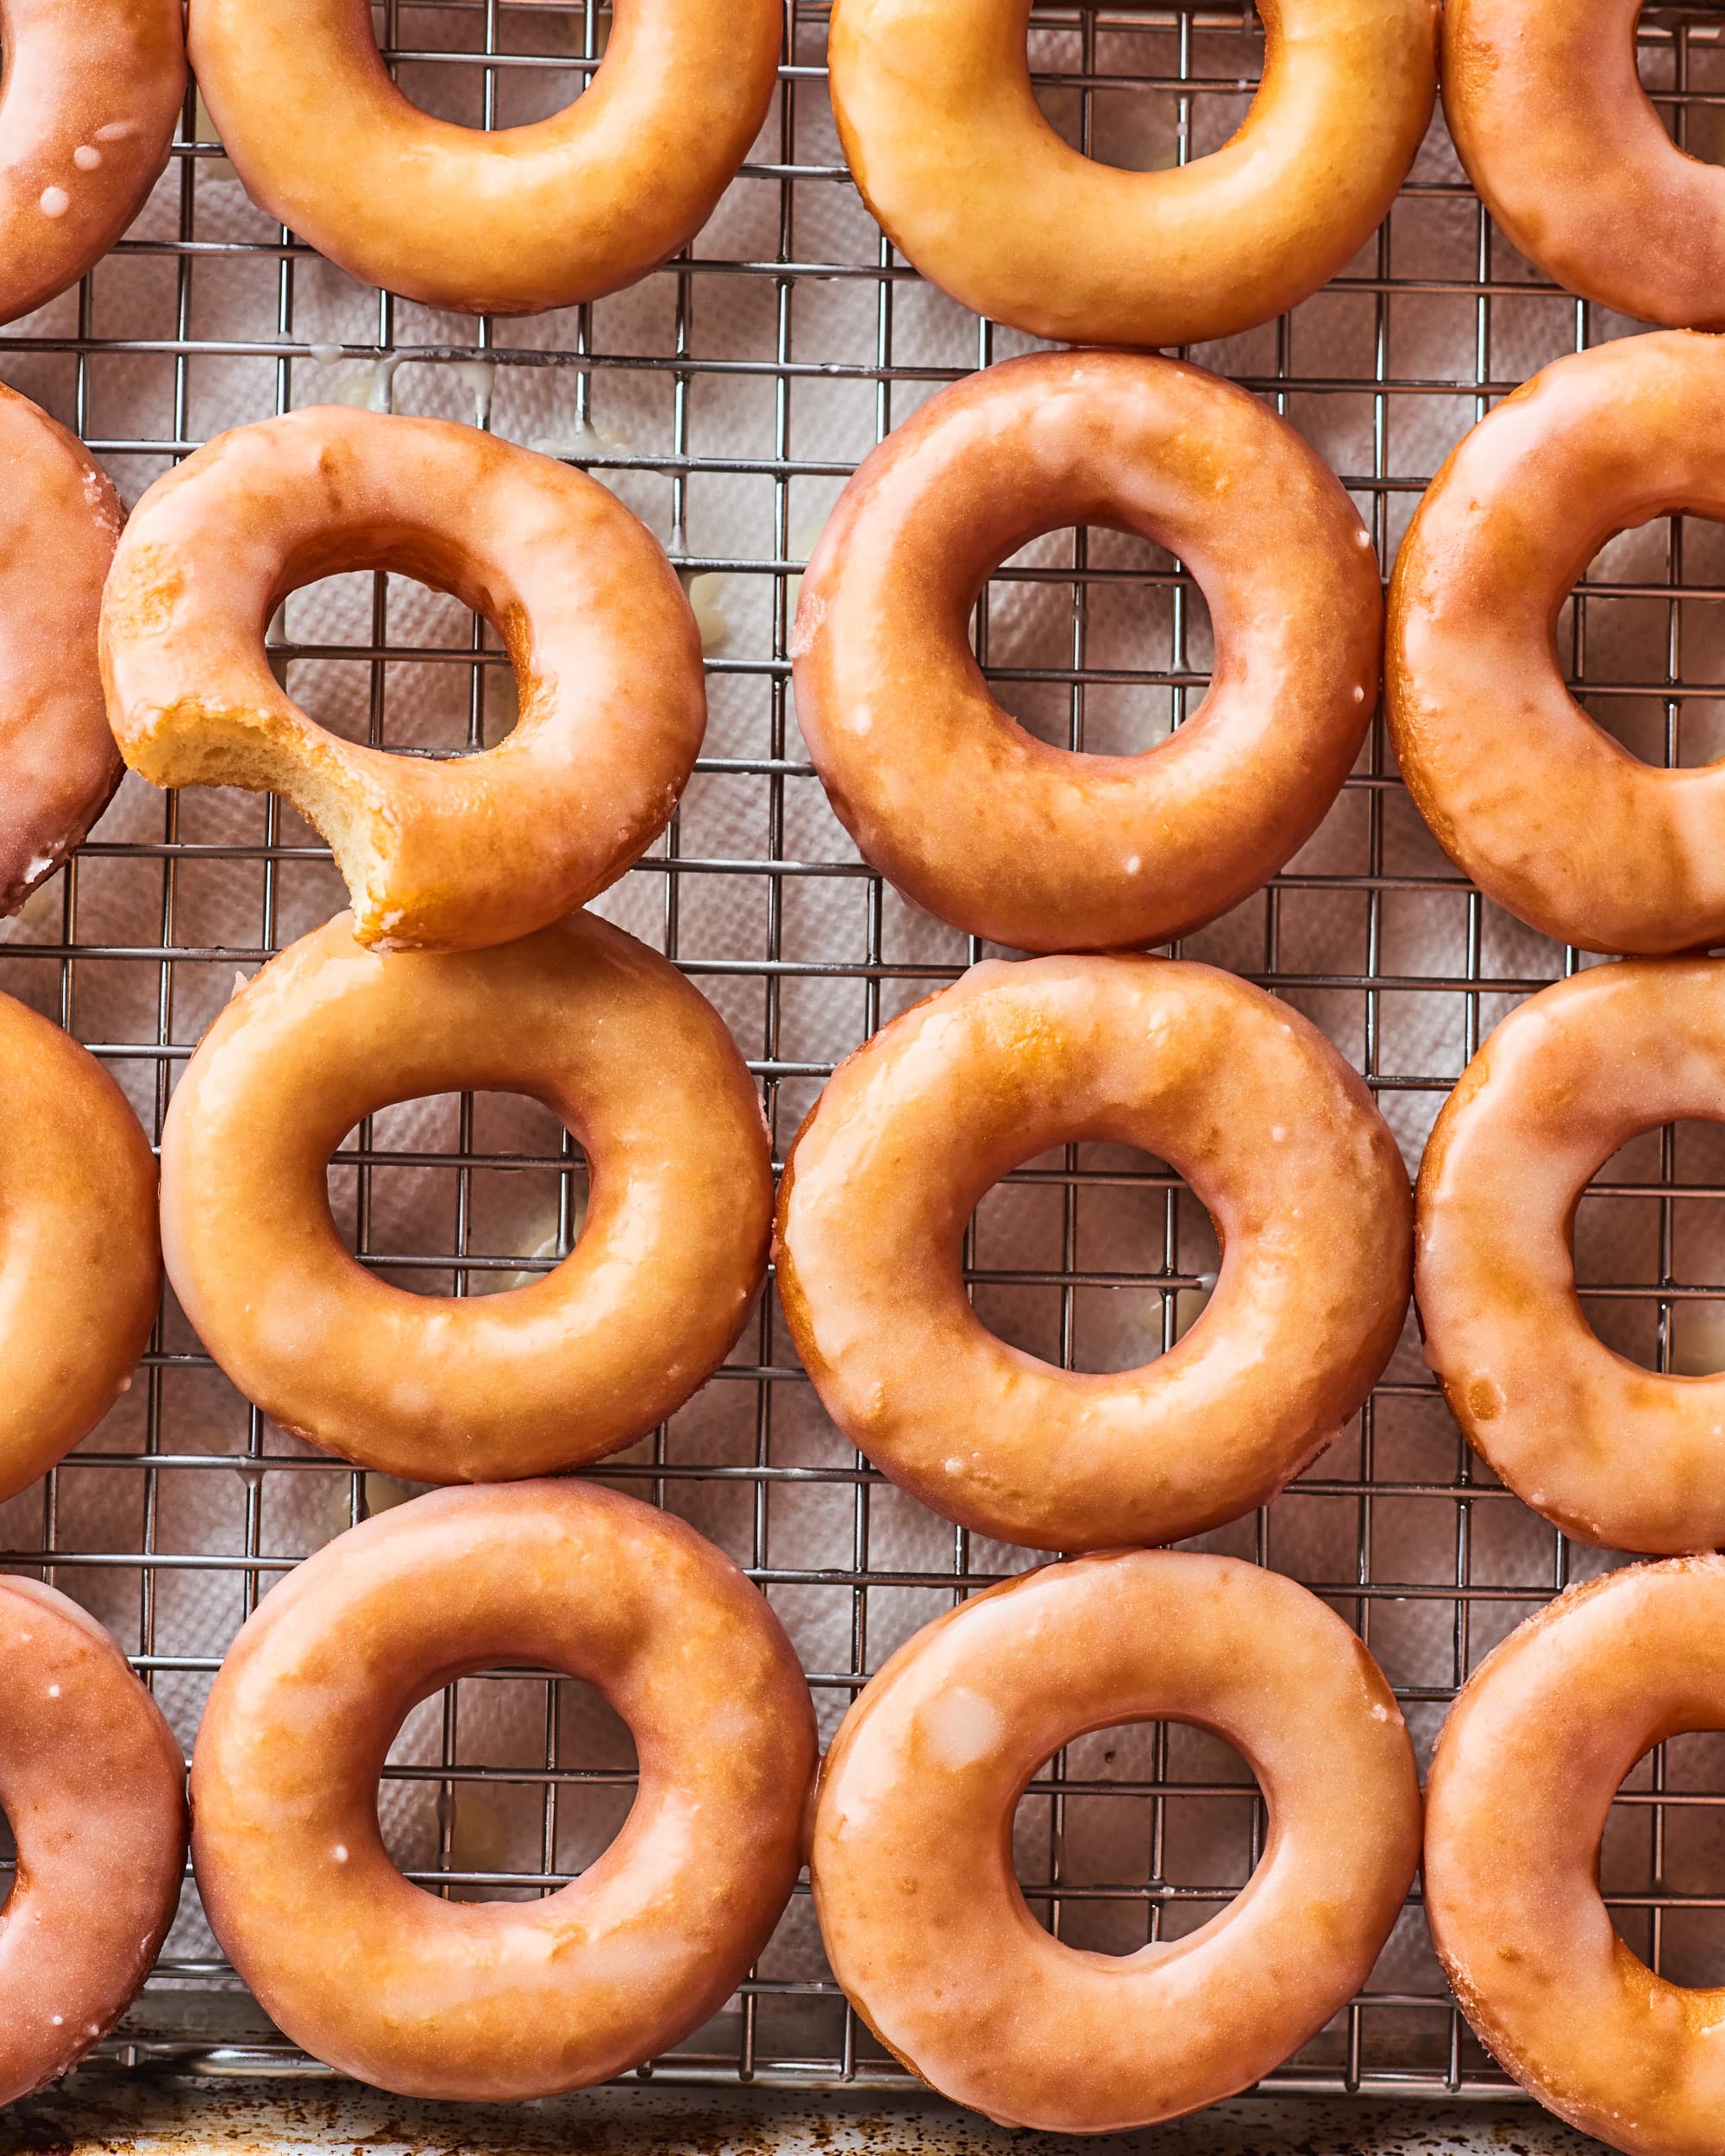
1244,1097
507,222
1531,1755
487,1387
972,817
1610,1452
1524,791
59,765
88,103
80,1273
439,854
949,149
1548,114
94,1789
927,1930
501,1999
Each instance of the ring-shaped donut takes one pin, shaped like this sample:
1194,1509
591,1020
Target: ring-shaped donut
1522,789
80,1270
1548,115
927,1930
437,854
1037,847
501,1999
438,1388
1608,1452
511,222
1279,1140
94,1789
949,149
1529,1761
89,100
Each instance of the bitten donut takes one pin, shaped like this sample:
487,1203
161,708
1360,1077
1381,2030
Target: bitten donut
510,221
1610,1452
94,1789
1529,1759
80,1273
1278,1137
502,1999
87,111
928,1930
1523,790
59,765
1548,114
486,1388
440,855
946,142
1037,847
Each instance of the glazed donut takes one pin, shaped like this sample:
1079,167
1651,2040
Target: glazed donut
488,1387
1036,847
508,222
94,1788
501,1999
949,149
444,855
80,1273
1523,790
88,106
927,1930
1530,1757
1240,1094
59,765
1608,1452
1548,115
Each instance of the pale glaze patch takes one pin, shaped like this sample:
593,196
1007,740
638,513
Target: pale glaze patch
1541,808
510,221
487,1387
498,2000
1190,1064
1610,1452
1530,1757
437,854
1032,846
912,1856
1546,110
93,1785
945,141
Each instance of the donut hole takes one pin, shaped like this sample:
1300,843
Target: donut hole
504,1786
1095,640
1680,72
1096,1257
1649,1263
1123,92
8,1860
459,1194
453,89
1141,1831
1645,662
1662,1858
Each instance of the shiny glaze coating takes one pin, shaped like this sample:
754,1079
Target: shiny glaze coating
510,221
486,1388
1546,110
94,1789
498,2000
59,765
1609,1451
437,854
948,146
925,1923
1034,846
1531,1755
89,100
1242,1096
1537,803
80,1274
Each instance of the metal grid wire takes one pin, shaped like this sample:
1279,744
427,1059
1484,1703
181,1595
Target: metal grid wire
1404,1460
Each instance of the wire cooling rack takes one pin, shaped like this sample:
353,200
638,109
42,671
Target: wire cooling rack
1370,933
